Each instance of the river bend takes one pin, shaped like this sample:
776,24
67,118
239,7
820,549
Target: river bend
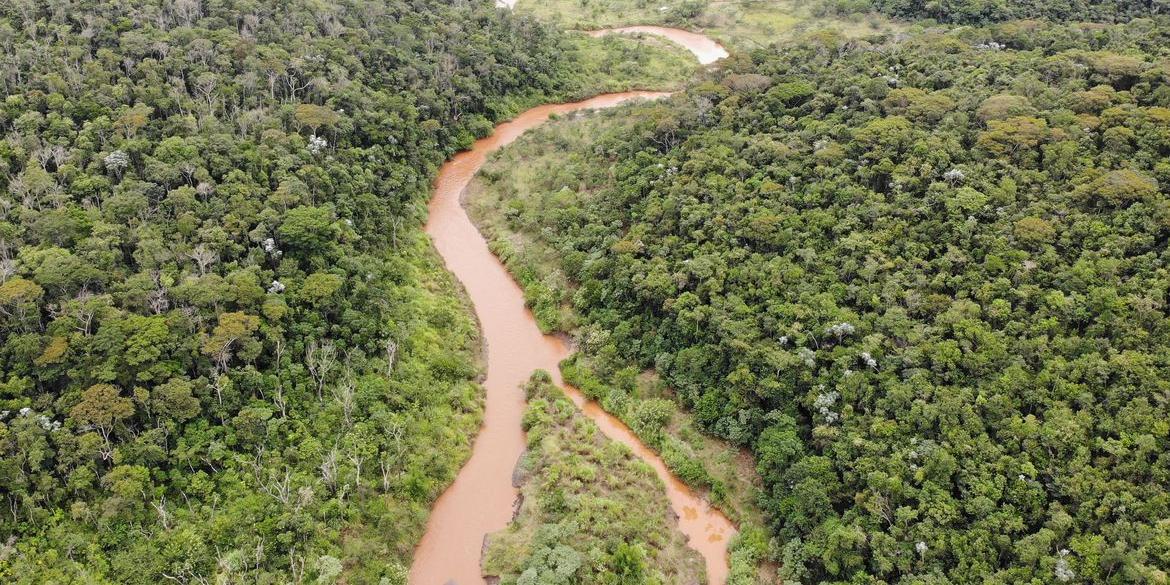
480,501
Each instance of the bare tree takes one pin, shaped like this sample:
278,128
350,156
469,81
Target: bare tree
187,575
187,11
395,225
259,559
386,465
329,468
7,269
343,393
161,49
22,192
278,397
160,506
279,487
28,16
219,381
391,353
388,460
85,312
204,257
296,566
250,23
293,82
187,169
43,156
356,457
320,359
157,298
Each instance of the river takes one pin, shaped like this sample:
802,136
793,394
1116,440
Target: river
480,501
704,48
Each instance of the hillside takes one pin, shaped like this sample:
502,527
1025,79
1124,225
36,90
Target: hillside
989,11
227,351
923,279
882,295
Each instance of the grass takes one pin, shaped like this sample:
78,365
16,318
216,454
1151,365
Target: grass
535,268
587,503
613,63
725,474
622,63
738,24
747,24
594,14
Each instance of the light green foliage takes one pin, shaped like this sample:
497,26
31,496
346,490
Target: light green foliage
308,229
620,62
591,513
743,24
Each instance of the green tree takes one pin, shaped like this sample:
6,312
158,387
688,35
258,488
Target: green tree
103,407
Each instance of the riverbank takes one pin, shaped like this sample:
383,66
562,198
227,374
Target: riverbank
586,502
480,501
537,176
734,24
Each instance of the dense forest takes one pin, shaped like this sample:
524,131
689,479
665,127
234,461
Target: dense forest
922,277
226,349
987,11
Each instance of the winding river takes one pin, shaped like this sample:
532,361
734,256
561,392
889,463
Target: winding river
481,499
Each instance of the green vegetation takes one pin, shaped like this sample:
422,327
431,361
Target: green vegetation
616,63
591,513
743,23
647,406
988,11
522,176
723,473
595,14
924,280
227,352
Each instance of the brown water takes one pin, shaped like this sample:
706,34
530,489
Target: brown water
704,49
480,500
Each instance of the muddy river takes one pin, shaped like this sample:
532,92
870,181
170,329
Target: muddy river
480,501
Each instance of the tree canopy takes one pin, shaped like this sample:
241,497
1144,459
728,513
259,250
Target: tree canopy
226,349
988,11
923,278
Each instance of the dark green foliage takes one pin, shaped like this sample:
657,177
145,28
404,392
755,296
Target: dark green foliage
986,11
226,349
930,293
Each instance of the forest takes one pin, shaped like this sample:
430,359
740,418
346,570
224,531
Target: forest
922,277
227,351
989,11
914,272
